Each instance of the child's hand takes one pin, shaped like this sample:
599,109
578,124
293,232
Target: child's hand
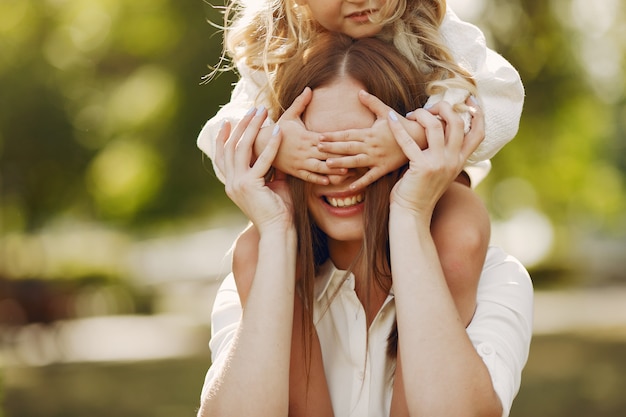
299,155
374,147
466,110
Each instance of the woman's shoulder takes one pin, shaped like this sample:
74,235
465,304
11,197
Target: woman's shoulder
506,282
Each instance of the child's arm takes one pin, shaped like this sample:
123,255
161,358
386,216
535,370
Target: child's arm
499,85
298,155
242,99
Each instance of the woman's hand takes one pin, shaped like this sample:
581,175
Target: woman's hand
374,148
299,155
265,205
433,169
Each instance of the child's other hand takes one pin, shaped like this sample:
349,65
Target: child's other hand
374,147
299,155
474,129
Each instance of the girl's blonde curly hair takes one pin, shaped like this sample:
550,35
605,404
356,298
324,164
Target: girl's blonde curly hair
263,34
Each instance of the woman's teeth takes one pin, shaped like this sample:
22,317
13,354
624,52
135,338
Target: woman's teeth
345,202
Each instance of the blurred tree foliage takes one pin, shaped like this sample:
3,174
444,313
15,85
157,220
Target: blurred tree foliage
102,102
570,147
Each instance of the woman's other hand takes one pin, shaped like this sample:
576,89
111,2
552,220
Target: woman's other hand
266,205
433,169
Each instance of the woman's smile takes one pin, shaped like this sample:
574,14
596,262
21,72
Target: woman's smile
349,201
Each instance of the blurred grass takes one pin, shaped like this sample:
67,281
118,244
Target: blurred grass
573,375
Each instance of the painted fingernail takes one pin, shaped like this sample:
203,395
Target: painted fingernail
392,115
260,111
409,114
276,130
250,111
473,100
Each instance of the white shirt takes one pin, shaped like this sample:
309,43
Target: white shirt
358,370
500,92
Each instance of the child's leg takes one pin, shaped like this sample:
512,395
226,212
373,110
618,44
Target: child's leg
461,230
245,256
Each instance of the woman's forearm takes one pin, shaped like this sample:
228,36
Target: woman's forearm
442,373
255,378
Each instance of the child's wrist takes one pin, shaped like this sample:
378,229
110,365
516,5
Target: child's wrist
262,139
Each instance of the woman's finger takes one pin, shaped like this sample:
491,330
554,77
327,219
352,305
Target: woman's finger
405,141
266,158
454,126
435,134
222,137
244,145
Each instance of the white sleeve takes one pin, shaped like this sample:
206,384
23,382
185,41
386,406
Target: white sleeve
500,89
245,95
501,329
225,319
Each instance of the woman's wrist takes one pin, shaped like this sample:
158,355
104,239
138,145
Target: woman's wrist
402,214
278,230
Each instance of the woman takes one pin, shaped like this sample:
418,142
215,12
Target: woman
317,334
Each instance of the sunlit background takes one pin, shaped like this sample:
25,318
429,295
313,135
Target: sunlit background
115,231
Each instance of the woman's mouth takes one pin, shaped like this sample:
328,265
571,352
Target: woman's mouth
345,201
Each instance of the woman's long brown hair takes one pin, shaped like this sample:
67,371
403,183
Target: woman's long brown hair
387,74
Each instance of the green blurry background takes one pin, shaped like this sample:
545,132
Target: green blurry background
114,228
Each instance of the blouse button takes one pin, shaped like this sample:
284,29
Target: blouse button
486,349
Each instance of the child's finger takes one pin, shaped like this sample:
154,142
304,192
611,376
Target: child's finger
477,131
312,177
366,179
373,103
342,148
360,160
320,166
299,104
349,135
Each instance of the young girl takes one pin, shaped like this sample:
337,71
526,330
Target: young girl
263,35
319,345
